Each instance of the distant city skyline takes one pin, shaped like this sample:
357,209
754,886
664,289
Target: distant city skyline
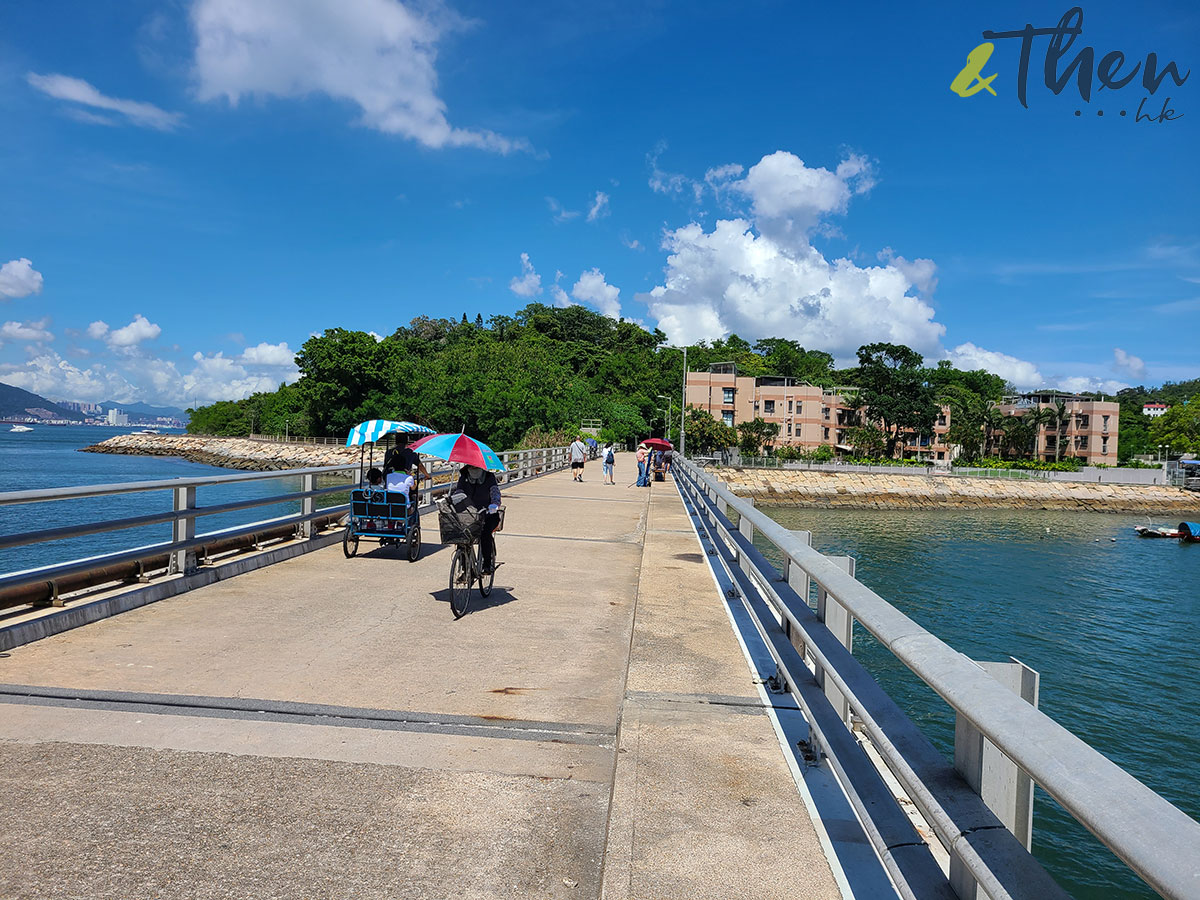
188,191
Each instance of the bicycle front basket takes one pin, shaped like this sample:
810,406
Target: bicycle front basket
458,527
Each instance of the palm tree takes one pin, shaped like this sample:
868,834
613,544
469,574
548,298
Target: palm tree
1060,417
1038,416
993,422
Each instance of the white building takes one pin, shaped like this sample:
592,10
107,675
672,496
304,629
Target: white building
1154,410
116,417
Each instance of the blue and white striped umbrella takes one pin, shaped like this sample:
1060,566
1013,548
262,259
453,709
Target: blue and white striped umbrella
371,431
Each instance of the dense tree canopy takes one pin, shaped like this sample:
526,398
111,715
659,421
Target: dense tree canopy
894,390
543,370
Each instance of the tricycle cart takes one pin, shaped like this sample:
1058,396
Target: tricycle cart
380,509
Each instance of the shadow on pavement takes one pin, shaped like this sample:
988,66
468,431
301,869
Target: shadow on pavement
499,596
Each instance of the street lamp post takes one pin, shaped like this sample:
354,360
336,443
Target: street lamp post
670,410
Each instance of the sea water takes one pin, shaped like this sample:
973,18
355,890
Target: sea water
49,457
1110,620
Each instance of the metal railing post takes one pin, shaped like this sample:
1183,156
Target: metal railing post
797,579
308,505
1006,790
183,562
841,625
746,529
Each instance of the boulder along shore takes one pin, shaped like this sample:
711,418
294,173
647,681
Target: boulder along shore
849,490
229,453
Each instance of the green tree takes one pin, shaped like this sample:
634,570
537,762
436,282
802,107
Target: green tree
1179,426
867,440
755,435
1059,417
705,434
894,392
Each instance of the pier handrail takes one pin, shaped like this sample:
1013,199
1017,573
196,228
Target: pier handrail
1158,841
521,464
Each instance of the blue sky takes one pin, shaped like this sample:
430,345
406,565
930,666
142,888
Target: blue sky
189,189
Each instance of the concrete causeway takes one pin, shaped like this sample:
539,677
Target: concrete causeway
323,728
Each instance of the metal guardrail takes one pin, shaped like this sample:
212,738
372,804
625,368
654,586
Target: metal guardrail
293,439
183,516
1159,842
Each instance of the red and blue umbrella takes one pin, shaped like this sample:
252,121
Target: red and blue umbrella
460,448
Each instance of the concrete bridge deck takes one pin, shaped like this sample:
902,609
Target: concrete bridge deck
323,728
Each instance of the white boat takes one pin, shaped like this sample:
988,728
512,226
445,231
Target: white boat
20,428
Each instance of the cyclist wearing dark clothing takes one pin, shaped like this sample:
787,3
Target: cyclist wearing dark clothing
483,495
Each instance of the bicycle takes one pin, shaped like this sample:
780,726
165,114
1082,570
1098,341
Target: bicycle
465,568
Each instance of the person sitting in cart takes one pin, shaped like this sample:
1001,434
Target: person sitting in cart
402,458
483,492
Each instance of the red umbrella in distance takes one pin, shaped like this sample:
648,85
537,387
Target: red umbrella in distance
658,444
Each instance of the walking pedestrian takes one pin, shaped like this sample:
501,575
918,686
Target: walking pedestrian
610,459
642,480
579,452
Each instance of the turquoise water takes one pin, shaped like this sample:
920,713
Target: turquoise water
48,457
1110,620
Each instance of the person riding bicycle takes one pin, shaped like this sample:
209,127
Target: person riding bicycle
483,493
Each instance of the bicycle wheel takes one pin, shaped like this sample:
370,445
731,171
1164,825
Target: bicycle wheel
461,575
486,581
349,542
414,542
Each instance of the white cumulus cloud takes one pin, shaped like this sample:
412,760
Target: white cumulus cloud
593,289
1090,383
265,354
377,54
599,207
140,329
1019,372
1127,362
76,90
18,278
36,332
529,282
97,330
761,275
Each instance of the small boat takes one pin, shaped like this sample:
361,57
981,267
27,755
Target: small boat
20,428
146,431
1189,533
1153,531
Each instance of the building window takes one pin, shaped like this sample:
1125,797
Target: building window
728,395
942,419
799,409
1081,442
1105,426
825,413
789,429
1104,446
1083,421
789,407
769,407
727,417
825,433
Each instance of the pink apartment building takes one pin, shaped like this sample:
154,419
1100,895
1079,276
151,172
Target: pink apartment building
1090,431
809,416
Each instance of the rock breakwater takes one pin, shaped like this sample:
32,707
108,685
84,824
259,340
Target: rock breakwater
229,453
877,491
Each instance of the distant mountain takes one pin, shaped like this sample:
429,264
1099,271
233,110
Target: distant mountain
145,410
18,402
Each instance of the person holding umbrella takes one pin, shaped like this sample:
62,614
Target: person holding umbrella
483,492
475,480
